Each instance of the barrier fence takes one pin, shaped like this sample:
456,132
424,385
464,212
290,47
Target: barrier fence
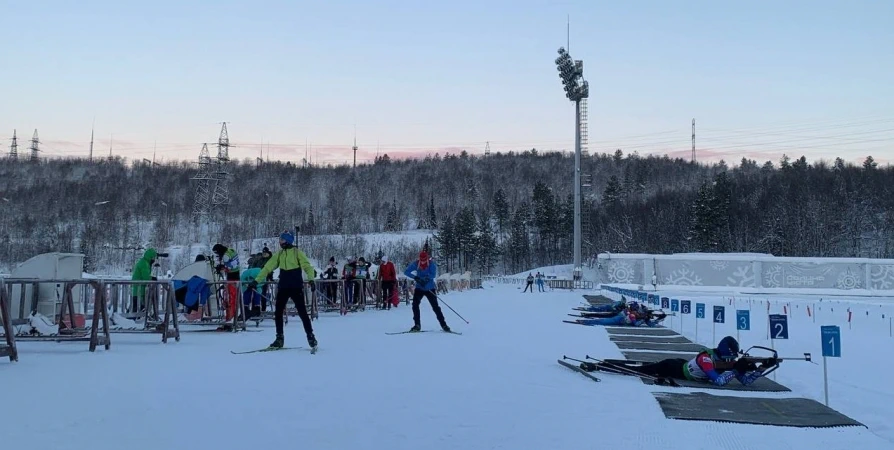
64,310
551,283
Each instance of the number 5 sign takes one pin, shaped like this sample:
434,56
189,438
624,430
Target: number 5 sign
778,326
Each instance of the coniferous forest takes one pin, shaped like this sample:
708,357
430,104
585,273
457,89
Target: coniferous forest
503,213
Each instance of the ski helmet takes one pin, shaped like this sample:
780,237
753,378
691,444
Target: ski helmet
727,349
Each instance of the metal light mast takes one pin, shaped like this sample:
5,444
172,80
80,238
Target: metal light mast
577,90
205,177
34,147
14,148
221,194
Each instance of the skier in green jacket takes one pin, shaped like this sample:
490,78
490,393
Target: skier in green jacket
291,262
142,271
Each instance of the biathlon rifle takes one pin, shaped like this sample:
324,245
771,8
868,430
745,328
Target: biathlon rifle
765,364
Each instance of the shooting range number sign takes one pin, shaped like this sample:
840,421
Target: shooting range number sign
675,305
699,310
831,336
686,306
719,314
778,326
743,319
664,303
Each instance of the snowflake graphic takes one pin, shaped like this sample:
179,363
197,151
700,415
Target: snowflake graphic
683,277
848,280
719,265
741,277
882,277
621,272
773,276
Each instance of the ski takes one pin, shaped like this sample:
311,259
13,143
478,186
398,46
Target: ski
268,349
578,370
425,331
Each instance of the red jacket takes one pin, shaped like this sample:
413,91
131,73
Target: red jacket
387,272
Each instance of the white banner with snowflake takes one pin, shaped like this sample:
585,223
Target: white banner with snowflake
751,271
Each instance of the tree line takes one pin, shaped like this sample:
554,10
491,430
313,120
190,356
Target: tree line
507,212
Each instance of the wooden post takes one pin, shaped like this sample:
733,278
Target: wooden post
99,310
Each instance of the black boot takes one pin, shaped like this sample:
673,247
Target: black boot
278,342
445,327
416,328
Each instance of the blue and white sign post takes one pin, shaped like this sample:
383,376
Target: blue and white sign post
743,321
719,317
831,336
686,309
778,325
675,307
699,314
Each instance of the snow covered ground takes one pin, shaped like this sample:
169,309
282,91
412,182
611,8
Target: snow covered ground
859,383
496,387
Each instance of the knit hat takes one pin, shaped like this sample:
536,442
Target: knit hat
288,237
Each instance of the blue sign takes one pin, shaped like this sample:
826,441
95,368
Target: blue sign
719,314
831,336
778,326
675,305
699,310
686,306
743,319
665,303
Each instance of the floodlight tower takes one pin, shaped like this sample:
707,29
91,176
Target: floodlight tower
577,90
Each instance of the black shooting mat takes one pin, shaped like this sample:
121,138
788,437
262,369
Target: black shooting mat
783,412
598,300
656,346
641,331
647,338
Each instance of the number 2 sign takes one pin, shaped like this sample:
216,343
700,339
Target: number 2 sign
778,326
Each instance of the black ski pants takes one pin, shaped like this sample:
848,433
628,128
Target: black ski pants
297,296
387,292
529,286
666,368
433,300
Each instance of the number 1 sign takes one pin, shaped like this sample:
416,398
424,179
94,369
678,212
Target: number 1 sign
831,340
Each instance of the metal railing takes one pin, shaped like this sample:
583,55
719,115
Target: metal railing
9,349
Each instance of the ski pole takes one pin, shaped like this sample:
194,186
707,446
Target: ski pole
451,308
628,371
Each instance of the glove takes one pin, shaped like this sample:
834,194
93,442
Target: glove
313,286
418,280
724,378
751,377
744,366
154,278
220,267
252,284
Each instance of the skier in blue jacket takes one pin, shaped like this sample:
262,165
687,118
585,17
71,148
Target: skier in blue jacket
423,272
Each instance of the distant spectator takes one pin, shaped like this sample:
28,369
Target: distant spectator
388,277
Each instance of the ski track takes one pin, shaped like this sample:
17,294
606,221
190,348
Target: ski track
496,387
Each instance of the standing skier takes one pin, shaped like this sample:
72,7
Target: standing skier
142,271
423,272
291,262
530,284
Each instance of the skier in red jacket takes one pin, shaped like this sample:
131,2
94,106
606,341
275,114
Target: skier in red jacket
388,277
